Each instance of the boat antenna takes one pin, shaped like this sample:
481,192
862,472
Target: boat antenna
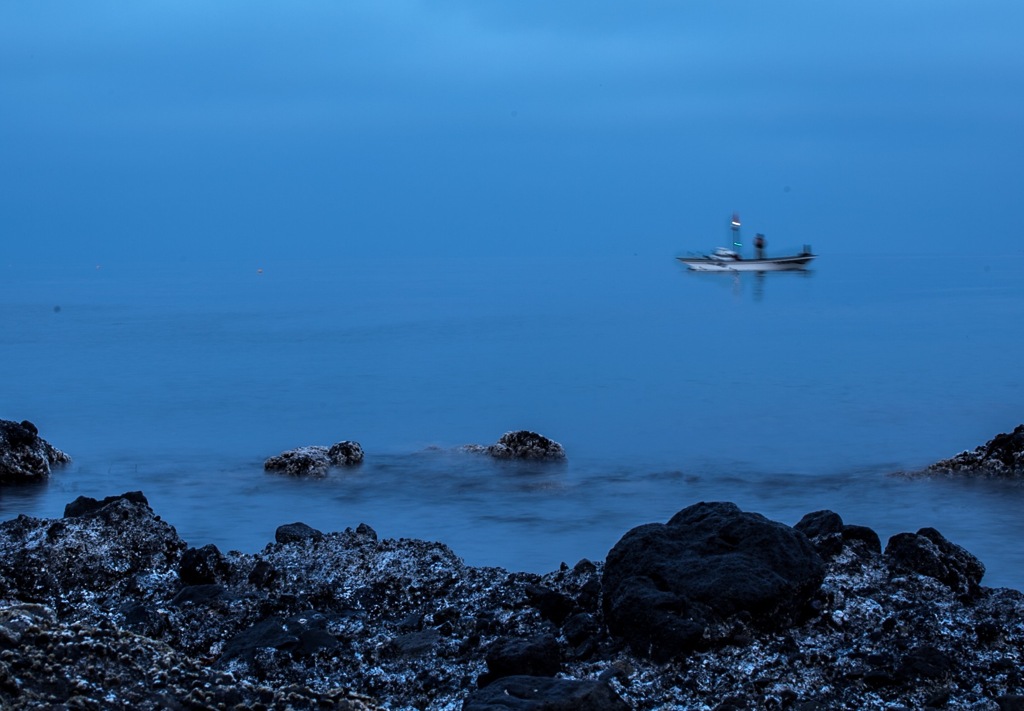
735,225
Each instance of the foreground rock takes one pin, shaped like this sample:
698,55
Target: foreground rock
315,461
25,457
522,444
109,608
1001,457
672,588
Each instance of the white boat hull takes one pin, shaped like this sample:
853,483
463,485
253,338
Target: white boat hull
717,264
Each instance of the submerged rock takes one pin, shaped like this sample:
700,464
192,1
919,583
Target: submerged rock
109,608
521,444
315,461
26,457
1000,457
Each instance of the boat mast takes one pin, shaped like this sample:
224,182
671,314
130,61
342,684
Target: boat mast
735,225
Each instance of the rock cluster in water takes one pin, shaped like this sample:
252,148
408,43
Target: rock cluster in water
716,609
315,461
1001,457
521,444
25,457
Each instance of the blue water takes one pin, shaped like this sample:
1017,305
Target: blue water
786,393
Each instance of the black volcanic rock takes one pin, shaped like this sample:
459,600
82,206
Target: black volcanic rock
672,588
1001,457
830,535
86,505
315,461
25,457
522,444
929,553
820,523
345,454
96,612
292,532
301,461
70,560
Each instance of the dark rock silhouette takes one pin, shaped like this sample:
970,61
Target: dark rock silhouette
24,456
1001,457
672,588
830,535
929,553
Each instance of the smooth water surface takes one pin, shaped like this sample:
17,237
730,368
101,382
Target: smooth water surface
785,393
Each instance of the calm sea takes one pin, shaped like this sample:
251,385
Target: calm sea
785,393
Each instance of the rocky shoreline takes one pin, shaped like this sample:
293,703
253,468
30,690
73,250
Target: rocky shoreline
716,608
1002,457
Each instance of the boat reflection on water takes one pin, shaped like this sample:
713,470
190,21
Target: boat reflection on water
758,279
754,281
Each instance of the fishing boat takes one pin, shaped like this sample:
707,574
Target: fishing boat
729,259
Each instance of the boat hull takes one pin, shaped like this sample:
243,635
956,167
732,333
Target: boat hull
777,264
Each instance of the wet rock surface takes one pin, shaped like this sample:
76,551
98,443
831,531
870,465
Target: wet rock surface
25,457
315,461
1002,457
521,444
108,608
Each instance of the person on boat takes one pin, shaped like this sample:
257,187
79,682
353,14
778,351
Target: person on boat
759,246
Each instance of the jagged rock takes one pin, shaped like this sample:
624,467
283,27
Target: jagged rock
672,588
302,461
61,561
929,553
1000,457
94,614
521,444
345,454
102,666
364,529
24,456
86,505
830,535
315,461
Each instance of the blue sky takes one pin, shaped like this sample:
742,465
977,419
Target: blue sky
258,131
